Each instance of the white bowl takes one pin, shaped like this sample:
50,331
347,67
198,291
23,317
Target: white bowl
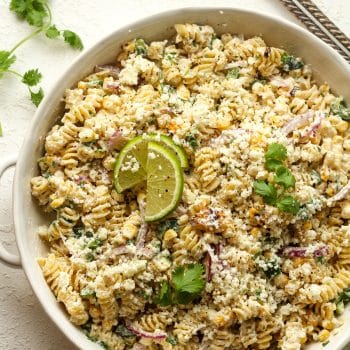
325,62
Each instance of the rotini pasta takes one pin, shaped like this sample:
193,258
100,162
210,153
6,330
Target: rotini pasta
264,215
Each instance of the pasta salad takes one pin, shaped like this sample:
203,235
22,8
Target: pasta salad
256,255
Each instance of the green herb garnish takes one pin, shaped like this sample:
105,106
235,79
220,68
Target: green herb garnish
290,62
186,285
167,225
192,141
274,194
342,299
171,340
272,268
275,155
87,293
36,13
140,47
94,244
233,73
266,190
123,332
339,108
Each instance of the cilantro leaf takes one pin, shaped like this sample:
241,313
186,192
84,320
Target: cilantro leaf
339,109
276,151
140,47
288,204
52,32
272,164
284,177
265,190
165,297
290,62
189,279
6,61
32,77
233,73
36,97
32,11
73,39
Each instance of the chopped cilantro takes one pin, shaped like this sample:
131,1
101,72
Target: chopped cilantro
94,244
290,62
339,108
87,293
192,141
272,268
325,343
140,47
123,332
171,340
233,73
166,225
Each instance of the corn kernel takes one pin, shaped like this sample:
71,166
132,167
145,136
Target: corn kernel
342,126
330,191
255,231
57,202
307,225
323,335
252,212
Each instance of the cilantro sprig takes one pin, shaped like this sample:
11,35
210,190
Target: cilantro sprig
275,193
36,13
186,285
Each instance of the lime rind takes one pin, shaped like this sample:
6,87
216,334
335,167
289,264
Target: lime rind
155,182
169,142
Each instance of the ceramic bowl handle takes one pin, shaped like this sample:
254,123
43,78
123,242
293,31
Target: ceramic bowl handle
5,256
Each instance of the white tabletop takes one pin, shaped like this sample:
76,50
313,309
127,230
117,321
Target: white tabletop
23,323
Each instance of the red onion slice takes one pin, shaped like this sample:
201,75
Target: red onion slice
315,125
116,141
301,252
141,333
296,122
340,195
112,70
207,262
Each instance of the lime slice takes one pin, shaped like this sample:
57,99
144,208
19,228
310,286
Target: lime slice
164,181
168,141
130,166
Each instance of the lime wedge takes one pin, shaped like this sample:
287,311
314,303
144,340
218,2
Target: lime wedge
168,141
164,181
130,166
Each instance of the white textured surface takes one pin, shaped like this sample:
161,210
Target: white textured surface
23,324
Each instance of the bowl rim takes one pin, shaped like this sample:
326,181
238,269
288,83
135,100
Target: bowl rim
19,224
